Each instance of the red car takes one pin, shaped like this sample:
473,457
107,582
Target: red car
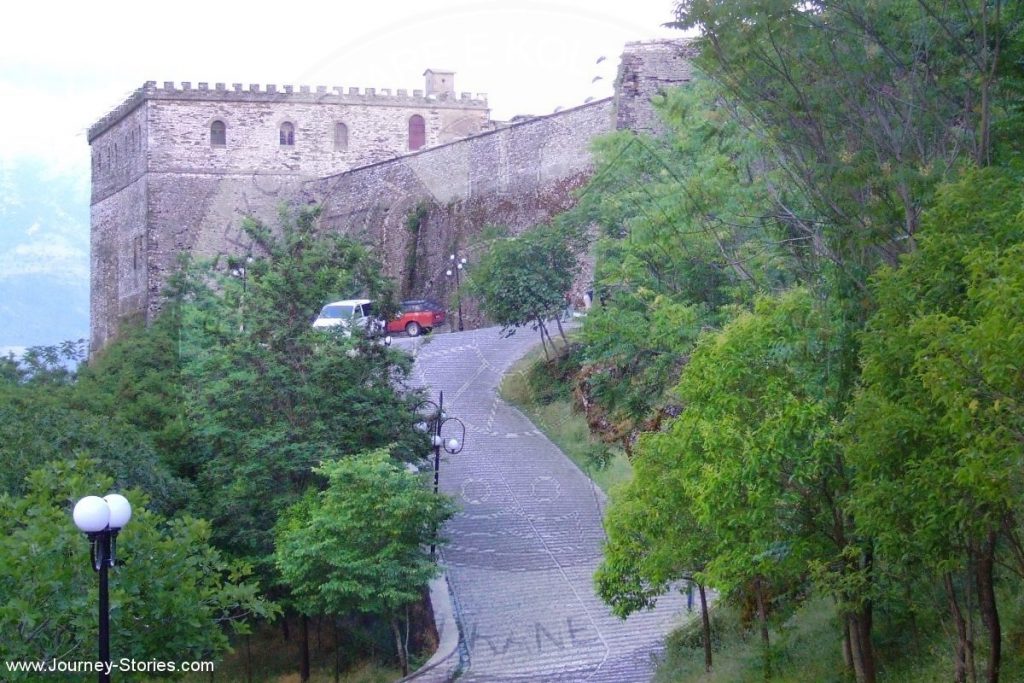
418,316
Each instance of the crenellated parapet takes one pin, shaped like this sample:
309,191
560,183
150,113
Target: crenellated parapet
272,93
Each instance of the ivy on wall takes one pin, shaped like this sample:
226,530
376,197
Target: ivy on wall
413,222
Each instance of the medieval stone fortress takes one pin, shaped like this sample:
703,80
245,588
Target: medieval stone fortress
176,168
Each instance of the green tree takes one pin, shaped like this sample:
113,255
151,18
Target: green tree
269,396
38,424
172,597
935,432
865,105
525,279
360,544
760,472
653,539
682,236
137,379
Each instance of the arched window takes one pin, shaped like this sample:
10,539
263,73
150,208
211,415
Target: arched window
417,132
340,136
287,134
218,134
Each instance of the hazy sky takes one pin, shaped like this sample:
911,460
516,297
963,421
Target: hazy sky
64,64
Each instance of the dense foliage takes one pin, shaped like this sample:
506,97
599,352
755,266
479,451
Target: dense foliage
175,591
810,326
222,410
524,280
358,545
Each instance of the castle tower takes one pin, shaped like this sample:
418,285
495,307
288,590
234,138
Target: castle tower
440,83
647,68
176,168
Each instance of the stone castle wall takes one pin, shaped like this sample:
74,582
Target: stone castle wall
160,188
119,217
517,177
646,69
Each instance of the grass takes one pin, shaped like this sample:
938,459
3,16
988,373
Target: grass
540,391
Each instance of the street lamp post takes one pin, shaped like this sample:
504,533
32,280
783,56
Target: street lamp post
453,445
456,266
101,519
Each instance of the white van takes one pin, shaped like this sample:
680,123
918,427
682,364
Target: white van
348,314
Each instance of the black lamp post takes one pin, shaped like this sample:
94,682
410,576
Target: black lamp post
101,519
435,421
456,266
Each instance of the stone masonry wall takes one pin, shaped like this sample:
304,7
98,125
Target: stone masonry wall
160,188
646,69
118,243
518,176
180,133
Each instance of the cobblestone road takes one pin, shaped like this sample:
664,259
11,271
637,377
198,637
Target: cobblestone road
525,545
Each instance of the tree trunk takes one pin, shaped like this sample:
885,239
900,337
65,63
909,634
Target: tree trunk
860,644
337,652
762,615
960,660
304,648
540,327
984,571
408,627
558,321
847,646
402,659
544,331
972,669
285,632
248,657
706,625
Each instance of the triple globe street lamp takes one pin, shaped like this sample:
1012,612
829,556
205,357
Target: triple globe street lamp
456,265
433,422
101,519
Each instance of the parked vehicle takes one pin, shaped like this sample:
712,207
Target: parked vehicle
349,314
418,316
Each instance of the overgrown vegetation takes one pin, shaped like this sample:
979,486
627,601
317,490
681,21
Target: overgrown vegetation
543,391
414,224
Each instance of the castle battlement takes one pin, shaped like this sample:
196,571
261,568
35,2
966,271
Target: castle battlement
257,93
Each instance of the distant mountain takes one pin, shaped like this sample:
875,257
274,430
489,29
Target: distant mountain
44,254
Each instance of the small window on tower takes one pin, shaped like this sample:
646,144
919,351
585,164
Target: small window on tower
417,132
218,134
287,134
340,137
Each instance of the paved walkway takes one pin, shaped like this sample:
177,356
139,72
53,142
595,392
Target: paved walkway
525,545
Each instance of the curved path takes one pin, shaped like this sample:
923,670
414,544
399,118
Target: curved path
523,549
